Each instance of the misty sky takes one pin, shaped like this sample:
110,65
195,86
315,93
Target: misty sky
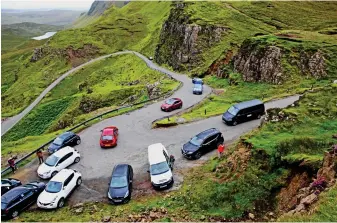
46,4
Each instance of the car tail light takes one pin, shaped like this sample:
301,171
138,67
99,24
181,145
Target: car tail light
6,211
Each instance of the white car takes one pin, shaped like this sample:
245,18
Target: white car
58,189
58,161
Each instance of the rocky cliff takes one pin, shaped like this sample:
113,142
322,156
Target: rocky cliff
260,61
182,42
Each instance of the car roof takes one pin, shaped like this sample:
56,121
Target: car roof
207,133
120,170
66,134
155,153
108,131
197,85
62,152
10,195
62,175
247,104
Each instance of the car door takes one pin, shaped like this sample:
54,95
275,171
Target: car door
64,162
130,178
15,204
176,104
27,198
206,144
69,184
212,142
67,141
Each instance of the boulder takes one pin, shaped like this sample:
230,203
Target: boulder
79,210
251,215
106,218
309,199
78,205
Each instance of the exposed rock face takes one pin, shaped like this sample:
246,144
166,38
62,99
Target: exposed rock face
71,54
328,170
153,90
259,63
182,42
313,63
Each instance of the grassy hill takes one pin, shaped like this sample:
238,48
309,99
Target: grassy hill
15,35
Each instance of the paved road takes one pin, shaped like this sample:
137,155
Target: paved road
10,122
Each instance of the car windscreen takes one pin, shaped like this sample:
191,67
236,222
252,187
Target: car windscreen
5,183
198,86
58,141
51,160
170,101
118,182
159,168
196,141
233,110
31,186
53,187
107,137
3,205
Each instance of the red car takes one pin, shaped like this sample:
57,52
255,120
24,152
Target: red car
171,104
109,137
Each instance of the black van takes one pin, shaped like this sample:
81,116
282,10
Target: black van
244,111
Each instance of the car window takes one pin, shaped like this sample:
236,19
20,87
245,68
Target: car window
28,193
5,183
159,168
53,187
233,110
170,101
16,200
58,141
107,137
3,205
118,182
196,141
65,157
67,181
52,160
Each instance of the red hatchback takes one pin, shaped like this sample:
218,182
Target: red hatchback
109,137
171,104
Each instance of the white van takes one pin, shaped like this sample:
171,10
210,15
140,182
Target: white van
160,166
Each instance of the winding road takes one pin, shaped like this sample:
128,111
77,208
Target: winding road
136,134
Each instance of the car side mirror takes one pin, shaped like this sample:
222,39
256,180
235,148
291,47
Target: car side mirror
64,187
101,130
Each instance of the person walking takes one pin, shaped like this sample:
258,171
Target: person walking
40,155
221,148
11,163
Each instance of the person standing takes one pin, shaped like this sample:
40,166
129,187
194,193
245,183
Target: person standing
40,155
11,163
221,148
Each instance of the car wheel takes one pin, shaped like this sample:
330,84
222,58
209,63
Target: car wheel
60,203
235,123
78,141
77,159
259,116
79,181
197,155
180,106
15,214
53,173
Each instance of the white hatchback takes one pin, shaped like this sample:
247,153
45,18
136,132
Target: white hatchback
58,189
58,161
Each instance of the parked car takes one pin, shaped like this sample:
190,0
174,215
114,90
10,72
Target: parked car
160,166
66,139
59,188
201,143
171,104
120,187
58,161
244,111
109,137
19,198
197,81
8,184
197,89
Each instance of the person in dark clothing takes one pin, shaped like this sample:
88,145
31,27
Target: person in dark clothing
11,163
40,155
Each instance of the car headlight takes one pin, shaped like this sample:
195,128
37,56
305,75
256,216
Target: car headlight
126,194
189,152
109,196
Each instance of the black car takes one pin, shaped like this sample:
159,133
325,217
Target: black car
20,198
66,139
244,111
8,184
203,142
120,186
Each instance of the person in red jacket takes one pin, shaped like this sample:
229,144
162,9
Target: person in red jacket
221,148
11,163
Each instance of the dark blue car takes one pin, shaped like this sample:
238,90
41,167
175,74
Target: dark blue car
120,186
66,139
197,81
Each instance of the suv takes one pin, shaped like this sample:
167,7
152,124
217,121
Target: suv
203,142
66,139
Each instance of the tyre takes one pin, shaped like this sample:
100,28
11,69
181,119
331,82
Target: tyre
259,116
77,159
60,203
53,173
197,155
180,106
79,181
78,141
15,214
235,123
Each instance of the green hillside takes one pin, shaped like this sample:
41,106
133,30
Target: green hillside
14,36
